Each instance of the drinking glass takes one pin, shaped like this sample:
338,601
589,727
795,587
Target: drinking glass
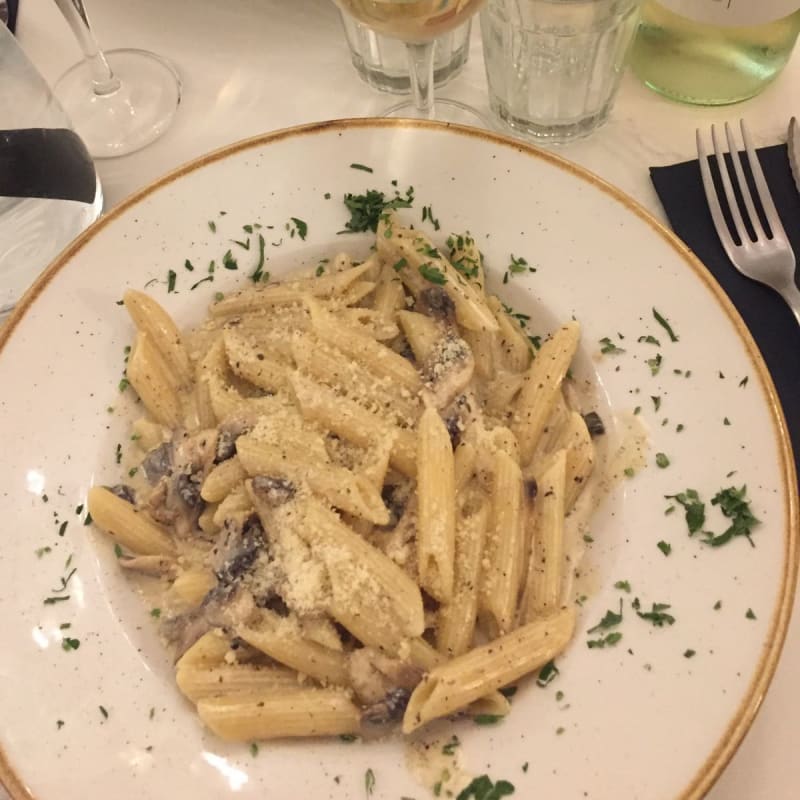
554,66
381,62
119,100
49,191
418,23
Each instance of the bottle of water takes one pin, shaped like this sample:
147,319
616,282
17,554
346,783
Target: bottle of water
49,191
713,53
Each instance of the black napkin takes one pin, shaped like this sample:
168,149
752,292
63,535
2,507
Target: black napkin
769,319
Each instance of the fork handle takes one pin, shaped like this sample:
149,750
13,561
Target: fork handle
791,295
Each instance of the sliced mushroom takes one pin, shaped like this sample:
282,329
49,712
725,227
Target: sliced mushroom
124,492
237,548
158,463
388,709
274,491
436,303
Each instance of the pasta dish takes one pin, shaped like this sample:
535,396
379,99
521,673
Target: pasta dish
352,487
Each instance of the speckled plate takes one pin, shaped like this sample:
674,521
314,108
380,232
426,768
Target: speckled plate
642,720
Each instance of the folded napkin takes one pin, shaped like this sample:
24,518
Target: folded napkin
769,319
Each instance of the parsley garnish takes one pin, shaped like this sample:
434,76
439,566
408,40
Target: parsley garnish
482,788
733,505
610,619
487,719
188,265
300,227
664,547
427,213
348,737
155,613
70,644
258,273
40,551
363,167
51,601
203,280
750,614
508,691
743,381
695,508
649,340
103,712
366,209
401,264
212,226
229,262
665,325
450,747
609,640
171,277
253,749
369,782
609,346
662,460
547,674
625,586
657,615
718,605
689,653
654,364
517,266
432,274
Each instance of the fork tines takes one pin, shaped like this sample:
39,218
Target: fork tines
748,228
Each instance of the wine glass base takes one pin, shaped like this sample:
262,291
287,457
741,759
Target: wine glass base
444,110
130,117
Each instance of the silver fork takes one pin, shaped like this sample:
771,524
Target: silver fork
768,259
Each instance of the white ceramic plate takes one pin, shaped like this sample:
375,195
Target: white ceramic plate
637,721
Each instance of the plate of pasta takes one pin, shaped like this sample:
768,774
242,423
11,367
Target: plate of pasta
385,459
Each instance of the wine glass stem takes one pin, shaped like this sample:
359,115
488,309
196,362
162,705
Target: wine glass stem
103,79
420,69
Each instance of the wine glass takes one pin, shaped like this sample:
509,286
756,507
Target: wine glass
417,23
120,100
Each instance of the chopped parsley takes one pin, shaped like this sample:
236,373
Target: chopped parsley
258,273
664,547
609,640
155,613
427,213
362,167
750,614
51,601
718,605
665,325
689,653
451,746
547,674
366,209
212,226
188,265
202,280
735,507
253,749
40,551
487,719
695,509
610,619
559,696
649,340
662,460
70,644
609,346
482,788
171,278
517,266
624,586
657,615
508,691
726,421
320,270
654,364
369,782
432,274
103,712
300,227
229,262
629,472
401,264
348,737
118,453
743,381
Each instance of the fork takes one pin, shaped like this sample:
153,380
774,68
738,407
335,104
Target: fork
768,259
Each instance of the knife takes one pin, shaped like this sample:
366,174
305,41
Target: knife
793,145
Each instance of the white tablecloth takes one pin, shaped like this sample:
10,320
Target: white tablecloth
250,66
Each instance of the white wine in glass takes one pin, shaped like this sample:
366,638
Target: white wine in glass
418,23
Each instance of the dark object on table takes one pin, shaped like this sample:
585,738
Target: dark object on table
46,162
767,316
8,13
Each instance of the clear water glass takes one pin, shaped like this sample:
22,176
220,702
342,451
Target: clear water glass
554,66
382,62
